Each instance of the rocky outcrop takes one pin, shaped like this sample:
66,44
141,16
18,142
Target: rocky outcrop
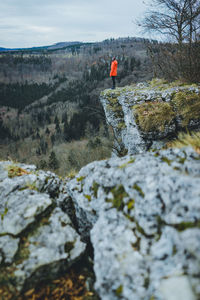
142,214
37,239
143,114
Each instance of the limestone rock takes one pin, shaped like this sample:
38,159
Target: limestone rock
37,239
142,215
8,248
51,249
20,209
176,288
161,116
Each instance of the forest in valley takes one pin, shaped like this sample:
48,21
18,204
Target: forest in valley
50,113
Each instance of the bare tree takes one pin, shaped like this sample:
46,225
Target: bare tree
180,21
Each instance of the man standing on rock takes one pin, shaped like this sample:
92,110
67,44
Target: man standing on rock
113,71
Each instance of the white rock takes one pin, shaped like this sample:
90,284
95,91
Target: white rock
176,288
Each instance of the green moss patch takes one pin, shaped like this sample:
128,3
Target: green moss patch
119,290
121,125
131,204
4,213
111,93
167,160
88,197
95,187
115,106
116,109
139,190
132,160
187,106
30,186
186,225
79,179
153,116
162,84
119,194
158,83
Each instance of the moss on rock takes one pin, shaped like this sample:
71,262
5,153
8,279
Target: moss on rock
187,106
95,188
119,290
119,194
153,116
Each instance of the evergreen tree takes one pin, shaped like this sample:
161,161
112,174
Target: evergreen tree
66,131
53,161
52,139
56,121
132,63
42,164
47,131
64,117
58,130
4,132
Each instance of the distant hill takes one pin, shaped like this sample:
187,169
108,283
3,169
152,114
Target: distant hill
66,45
63,44
56,46
4,49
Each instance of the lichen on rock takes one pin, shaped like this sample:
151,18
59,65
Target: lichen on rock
138,219
37,239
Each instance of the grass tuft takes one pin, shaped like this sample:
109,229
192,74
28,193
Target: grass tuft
187,106
14,171
187,139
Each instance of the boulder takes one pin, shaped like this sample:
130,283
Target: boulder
37,239
141,214
51,249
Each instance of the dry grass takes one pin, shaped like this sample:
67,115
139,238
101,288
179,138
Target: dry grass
14,170
187,139
71,156
153,116
71,286
187,106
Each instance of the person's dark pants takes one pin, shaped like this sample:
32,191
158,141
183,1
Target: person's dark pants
113,81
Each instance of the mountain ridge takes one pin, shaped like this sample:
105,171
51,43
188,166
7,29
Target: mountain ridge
61,45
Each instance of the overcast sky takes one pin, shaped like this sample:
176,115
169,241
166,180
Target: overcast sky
26,23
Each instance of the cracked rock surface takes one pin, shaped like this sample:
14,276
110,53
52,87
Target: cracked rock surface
37,239
142,214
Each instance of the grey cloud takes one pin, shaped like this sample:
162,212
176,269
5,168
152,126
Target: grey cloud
42,22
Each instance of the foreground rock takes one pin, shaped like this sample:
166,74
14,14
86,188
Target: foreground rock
142,215
37,239
143,114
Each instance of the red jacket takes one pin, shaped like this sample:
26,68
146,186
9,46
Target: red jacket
113,71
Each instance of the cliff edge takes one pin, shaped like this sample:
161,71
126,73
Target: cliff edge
145,115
